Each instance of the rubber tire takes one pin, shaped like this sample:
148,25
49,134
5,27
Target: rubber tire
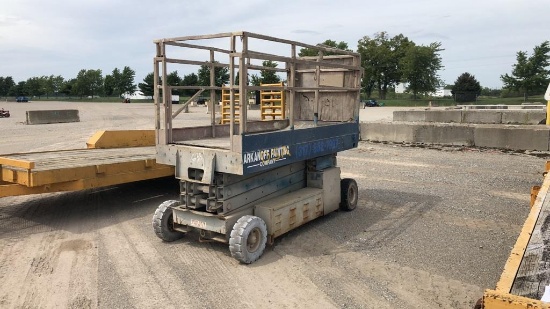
163,222
238,242
349,194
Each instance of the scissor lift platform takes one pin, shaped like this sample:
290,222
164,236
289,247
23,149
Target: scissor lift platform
246,182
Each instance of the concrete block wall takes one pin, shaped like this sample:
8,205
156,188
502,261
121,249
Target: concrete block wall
430,133
52,116
512,137
472,116
481,135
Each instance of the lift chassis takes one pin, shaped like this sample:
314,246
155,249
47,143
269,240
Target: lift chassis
246,182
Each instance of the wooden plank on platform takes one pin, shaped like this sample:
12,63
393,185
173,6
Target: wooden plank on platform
533,273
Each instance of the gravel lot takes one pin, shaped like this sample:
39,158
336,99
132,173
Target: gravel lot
433,229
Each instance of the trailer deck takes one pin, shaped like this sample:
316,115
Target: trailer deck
526,274
77,169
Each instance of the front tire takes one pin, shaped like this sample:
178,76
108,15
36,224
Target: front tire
248,239
349,194
163,223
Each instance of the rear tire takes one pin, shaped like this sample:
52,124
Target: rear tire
163,223
248,239
349,194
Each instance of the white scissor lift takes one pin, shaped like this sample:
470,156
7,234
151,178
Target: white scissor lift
247,182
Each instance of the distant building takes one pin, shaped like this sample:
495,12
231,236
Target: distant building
440,92
138,95
401,88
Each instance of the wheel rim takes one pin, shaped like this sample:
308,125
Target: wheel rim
170,223
352,194
253,240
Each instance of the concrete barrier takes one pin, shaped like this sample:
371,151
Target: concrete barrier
472,116
429,133
482,116
414,116
512,137
491,106
444,116
436,133
387,132
479,135
523,117
52,116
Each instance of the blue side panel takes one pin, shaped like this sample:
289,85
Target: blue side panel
265,151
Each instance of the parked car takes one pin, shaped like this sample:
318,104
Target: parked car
370,103
201,101
21,99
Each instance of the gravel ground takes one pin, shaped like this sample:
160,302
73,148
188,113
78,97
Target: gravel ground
433,229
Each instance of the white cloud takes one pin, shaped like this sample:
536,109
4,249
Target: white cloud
62,37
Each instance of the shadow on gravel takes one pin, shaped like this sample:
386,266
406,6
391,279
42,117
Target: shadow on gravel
86,210
380,217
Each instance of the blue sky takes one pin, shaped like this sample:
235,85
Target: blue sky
62,37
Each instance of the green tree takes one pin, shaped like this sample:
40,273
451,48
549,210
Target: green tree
330,43
189,80
221,76
147,87
380,57
35,86
489,92
174,80
20,89
420,66
120,82
530,74
466,88
6,83
48,85
88,83
109,85
56,83
67,87
268,76
126,83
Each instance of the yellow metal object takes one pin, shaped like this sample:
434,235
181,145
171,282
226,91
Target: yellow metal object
78,169
511,267
548,112
272,103
226,106
501,297
81,184
534,192
499,300
122,138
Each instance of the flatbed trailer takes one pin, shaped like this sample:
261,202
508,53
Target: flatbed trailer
526,274
111,158
247,182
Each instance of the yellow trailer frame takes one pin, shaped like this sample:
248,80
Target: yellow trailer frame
501,297
111,158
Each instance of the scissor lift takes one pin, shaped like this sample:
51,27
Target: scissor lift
246,182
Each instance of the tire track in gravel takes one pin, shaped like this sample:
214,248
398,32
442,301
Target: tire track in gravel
355,280
57,260
151,272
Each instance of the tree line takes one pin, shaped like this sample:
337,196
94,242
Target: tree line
86,83
387,61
